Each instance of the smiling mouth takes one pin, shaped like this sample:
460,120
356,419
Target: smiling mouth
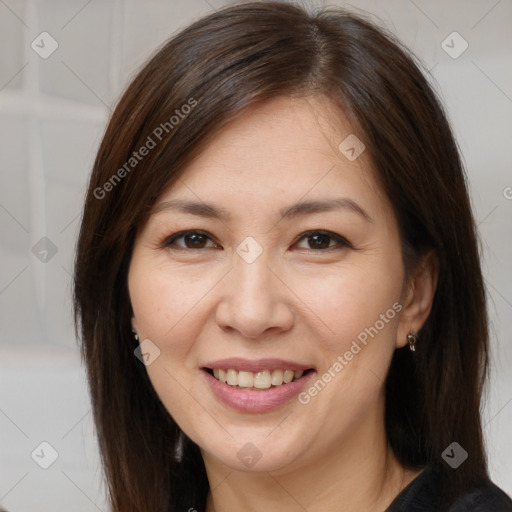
262,380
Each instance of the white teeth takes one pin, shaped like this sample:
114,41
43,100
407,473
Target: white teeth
288,376
232,377
245,379
277,377
262,380
259,380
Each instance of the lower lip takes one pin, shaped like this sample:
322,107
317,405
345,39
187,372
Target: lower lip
256,401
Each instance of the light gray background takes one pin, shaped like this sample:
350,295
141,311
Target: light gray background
53,113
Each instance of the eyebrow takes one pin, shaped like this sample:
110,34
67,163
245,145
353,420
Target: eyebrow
206,210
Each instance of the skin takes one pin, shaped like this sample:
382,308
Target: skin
294,302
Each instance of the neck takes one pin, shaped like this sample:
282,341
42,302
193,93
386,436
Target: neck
359,473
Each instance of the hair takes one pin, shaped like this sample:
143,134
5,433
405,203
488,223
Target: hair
218,66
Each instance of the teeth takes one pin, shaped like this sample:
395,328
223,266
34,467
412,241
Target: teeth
288,376
262,380
277,377
232,377
245,379
259,380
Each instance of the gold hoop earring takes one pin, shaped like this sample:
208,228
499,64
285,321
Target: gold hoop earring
412,338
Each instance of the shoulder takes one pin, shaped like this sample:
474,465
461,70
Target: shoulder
484,498
424,493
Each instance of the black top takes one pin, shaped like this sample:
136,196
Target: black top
423,494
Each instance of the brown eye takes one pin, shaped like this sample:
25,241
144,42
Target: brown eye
194,241
321,240
189,240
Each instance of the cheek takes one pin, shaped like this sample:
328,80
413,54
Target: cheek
166,304
352,300
157,309
358,309
164,301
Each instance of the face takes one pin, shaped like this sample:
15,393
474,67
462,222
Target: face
274,257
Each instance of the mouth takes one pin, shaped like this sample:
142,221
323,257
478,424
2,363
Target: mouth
261,380
256,386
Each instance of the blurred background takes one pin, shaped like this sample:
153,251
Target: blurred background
63,64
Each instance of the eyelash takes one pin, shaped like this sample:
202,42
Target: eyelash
342,242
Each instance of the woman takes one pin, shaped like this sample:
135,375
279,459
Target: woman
277,281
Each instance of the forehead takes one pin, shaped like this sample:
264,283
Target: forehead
284,130
276,153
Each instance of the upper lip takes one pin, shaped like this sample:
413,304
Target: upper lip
257,365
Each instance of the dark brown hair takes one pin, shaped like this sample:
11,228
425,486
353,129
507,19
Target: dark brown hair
218,66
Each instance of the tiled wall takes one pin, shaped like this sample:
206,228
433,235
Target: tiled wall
53,109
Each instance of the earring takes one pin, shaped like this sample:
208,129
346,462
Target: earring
135,335
179,446
412,338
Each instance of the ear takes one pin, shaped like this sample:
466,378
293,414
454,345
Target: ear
418,296
134,324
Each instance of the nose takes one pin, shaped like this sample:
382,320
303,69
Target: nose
254,302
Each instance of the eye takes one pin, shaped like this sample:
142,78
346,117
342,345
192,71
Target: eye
322,240
317,240
192,239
